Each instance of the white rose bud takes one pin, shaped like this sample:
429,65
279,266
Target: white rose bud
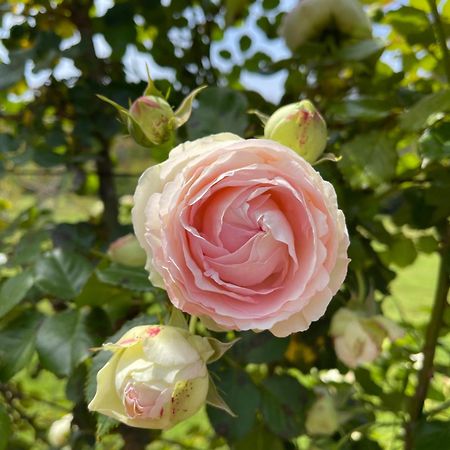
358,339
156,377
127,251
298,126
311,17
59,431
322,418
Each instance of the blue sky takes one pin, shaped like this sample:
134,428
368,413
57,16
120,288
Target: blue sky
270,86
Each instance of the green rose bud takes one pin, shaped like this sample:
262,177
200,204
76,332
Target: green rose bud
151,120
322,418
157,377
300,127
127,251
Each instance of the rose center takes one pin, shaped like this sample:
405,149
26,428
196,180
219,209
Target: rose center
143,401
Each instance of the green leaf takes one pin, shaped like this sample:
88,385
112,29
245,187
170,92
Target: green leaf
416,117
225,54
364,378
432,435
5,428
361,50
412,23
366,109
260,348
29,247
220,110
260,439
283,399
434,144
13,72
245,43
64,340
74,236
239,392
105,425
368,160
235,9
13,291
132,278
17,340
62,273
400,252
96,293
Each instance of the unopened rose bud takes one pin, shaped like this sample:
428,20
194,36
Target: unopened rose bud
127,251
157,376
351,19
59,431
151,120
322,418
310,18
300,127
358,339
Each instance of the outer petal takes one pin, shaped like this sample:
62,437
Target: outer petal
106,400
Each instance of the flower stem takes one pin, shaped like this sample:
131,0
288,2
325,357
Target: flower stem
440,37
193,324
431,338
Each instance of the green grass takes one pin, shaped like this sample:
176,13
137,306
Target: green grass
413,291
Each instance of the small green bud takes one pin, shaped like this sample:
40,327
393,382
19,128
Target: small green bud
300,127
151,120
127,251
322,418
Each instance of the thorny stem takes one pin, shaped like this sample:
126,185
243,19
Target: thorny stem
426,373
440,37
443,283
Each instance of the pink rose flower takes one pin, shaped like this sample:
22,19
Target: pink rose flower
243,233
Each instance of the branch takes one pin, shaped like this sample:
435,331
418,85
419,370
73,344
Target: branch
440,37
426,373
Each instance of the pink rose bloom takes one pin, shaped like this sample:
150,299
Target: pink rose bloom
243,233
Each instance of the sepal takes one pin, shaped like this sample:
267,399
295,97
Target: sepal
183,112
214,399
177,319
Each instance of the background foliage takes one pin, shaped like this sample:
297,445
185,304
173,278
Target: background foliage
67,174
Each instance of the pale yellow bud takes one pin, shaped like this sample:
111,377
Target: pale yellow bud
310,18
157,377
